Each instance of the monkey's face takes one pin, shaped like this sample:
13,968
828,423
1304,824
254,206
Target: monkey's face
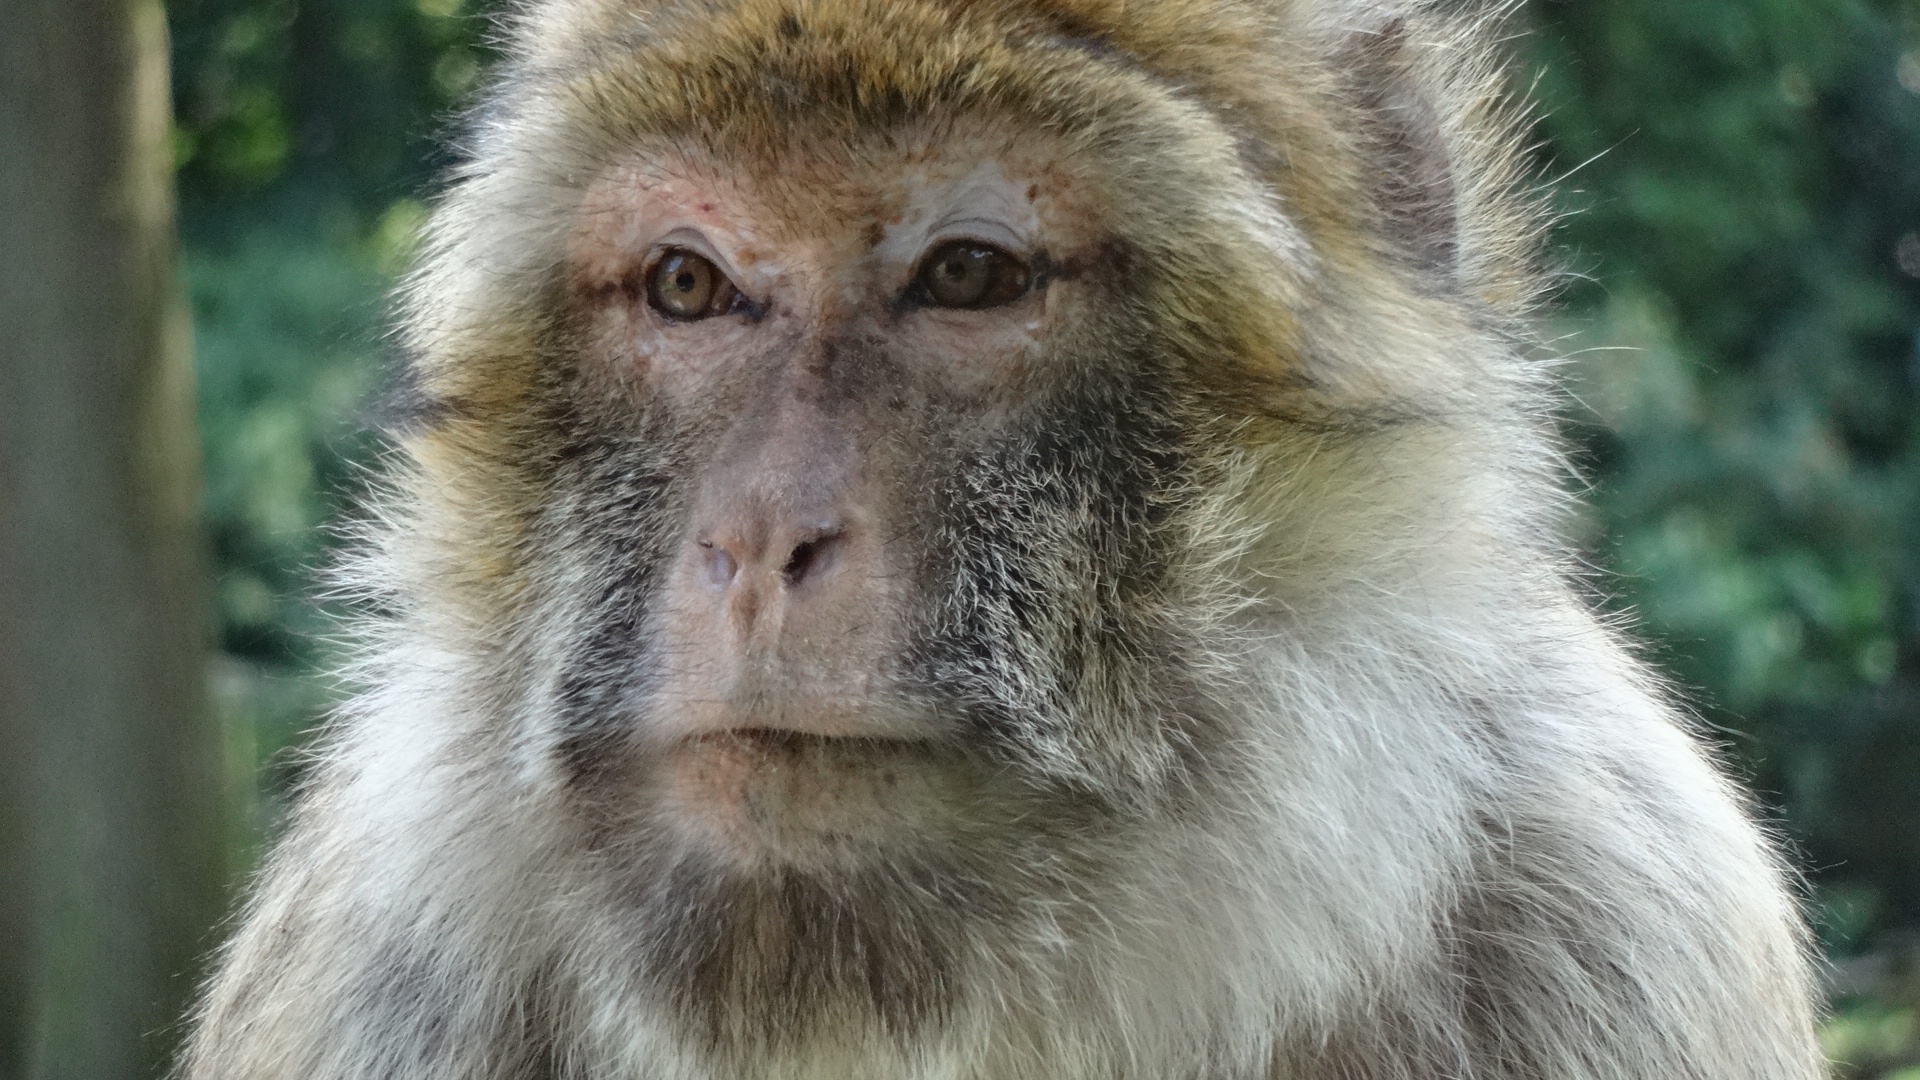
879,457
868,428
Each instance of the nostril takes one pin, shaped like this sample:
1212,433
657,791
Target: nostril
720,565
809,559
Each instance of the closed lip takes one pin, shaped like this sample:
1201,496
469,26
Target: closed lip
793,740
766,723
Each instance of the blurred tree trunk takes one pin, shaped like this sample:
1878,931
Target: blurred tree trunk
111,786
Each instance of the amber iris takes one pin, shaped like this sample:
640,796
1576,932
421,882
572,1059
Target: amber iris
685,285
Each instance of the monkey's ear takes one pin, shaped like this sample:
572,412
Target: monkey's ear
1404,141
1441,140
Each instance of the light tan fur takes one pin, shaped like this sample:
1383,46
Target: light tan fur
1425,815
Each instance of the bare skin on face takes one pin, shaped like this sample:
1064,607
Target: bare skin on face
825,321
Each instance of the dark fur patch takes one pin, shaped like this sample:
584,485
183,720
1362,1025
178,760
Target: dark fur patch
405,986
1527,930
1050,547
617,514
764,959
403,403
1111,262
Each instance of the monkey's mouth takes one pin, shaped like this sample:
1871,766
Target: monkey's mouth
744,750
772,793
774,740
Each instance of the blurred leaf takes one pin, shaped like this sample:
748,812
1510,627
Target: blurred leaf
1746,346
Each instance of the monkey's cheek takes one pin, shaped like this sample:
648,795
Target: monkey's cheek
806,800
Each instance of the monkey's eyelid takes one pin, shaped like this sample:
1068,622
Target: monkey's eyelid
987,232
695,241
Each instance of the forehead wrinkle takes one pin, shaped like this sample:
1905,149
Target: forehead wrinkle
747,104
904,181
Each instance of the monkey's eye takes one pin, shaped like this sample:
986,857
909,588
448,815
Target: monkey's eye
969,274
683,285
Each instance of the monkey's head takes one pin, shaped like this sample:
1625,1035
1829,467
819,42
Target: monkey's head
866,436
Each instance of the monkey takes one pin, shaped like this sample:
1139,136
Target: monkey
998,539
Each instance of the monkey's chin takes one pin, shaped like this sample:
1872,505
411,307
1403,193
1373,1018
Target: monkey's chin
765,796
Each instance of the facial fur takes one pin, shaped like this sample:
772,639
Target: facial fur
1158,661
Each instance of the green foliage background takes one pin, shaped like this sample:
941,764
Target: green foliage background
1743,325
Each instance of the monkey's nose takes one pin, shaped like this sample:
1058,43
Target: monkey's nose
794,556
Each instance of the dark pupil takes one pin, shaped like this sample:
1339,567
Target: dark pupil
684,286
962,275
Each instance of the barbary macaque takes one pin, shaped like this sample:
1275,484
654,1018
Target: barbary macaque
997,540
